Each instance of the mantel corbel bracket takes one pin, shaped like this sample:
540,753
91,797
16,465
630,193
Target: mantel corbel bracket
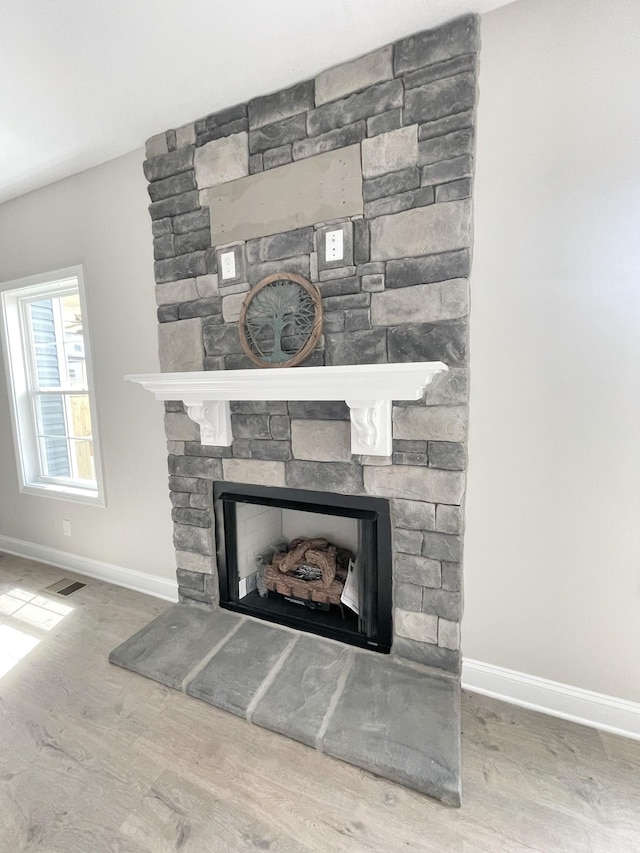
214,419
370,427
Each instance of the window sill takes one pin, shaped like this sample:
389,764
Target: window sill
68,493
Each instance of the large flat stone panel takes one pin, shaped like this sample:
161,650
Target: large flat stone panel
421,303
319,188
180,345
433,423
168,648
297,701
222,160
414,483
422,231
321,441
401,723
255,471
233,674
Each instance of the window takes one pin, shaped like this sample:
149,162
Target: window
50,382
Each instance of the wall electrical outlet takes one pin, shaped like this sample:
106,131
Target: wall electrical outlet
228,264
334,249
66,527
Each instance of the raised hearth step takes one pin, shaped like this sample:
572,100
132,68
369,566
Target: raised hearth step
170,648
391,717
234,674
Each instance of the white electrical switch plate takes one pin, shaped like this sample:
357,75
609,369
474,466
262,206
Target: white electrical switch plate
66,527
228,261
333,248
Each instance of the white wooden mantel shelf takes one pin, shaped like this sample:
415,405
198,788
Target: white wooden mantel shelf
367,389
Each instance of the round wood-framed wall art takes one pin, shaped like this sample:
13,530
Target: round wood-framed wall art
282,302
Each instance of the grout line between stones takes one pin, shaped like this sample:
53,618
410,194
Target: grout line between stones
342,681
197,669
270,678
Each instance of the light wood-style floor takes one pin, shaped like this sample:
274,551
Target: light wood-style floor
94,758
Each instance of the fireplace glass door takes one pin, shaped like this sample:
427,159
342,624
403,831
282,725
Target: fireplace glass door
315,561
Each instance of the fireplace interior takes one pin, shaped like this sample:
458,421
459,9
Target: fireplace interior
314,561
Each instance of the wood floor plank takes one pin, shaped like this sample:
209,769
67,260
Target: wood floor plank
95,758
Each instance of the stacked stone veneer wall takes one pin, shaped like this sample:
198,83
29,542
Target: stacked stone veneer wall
400,294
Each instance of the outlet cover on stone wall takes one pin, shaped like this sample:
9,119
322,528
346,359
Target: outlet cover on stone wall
231,267
346,256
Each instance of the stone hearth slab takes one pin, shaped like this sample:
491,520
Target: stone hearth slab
400,723
167,649
396,719
232,677
296,702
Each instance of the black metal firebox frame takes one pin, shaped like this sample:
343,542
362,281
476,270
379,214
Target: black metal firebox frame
374,557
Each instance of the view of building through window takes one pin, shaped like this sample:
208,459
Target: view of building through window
59,386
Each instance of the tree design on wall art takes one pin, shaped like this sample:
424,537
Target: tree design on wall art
281,321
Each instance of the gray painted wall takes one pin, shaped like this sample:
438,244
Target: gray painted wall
552,549
98,218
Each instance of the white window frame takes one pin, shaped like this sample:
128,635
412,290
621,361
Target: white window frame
17,364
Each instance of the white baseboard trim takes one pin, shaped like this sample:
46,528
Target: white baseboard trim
118,575
597,710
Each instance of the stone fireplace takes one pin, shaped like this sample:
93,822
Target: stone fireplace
381,149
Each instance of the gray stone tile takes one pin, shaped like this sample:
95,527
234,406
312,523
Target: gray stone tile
340,477
447,124
329,141
279,246
415,483
174,185
222,160
221,120
428,342
162,166
277,134
391,184
448,68
391,120
391,151
423,231
404,272
354,76
168,648
445,147
174,205
231,678
401,723
296,702
375,99
454,190
180,345
428,655
421,303
321,441
364,347
440,99
446,171
280,105
399,203
454,38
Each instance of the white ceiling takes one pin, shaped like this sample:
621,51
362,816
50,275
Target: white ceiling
83,81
